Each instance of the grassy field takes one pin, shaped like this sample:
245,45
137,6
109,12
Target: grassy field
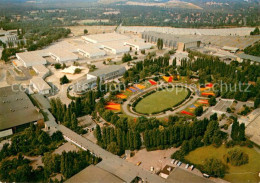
161,100
245,173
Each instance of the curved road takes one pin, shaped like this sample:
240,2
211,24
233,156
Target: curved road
182,107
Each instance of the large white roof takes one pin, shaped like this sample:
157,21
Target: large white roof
101,38
90,49
31,58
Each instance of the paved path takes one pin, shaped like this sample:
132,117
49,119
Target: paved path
168,113
110,162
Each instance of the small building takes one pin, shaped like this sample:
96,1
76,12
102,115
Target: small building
40,86
230,49
41,70
94,174
184,45
31,58
165,172
16,110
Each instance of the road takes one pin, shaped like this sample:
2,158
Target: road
110,162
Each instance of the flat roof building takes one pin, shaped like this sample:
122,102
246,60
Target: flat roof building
102,38
16,109
115,47
170,40
242,56
107,73
138,44
230,49
41,70
90,51
94,174
179,175
61,55
40,85
31,58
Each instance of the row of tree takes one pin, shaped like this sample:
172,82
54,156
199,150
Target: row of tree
68,163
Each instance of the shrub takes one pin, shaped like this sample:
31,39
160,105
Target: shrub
214,167
236,157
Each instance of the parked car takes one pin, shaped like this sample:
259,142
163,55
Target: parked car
187,166
206,175
172,162
191,167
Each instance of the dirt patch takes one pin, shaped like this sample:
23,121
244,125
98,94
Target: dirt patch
79,30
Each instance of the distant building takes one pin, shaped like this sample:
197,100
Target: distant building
94,174
102,38
184,45
40,86
16,110
171,41
8,36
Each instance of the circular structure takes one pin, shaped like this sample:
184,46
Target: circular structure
157,101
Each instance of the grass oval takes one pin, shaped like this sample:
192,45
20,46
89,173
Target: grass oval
161,100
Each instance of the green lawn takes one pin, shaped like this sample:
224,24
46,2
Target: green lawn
245,173
161,100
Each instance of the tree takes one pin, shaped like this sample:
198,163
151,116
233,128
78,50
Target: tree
113,148
235,130
85,31
236,157
212,101
98,135
57,66
57,136
199,111
64,80
77,71
255,32
214,167
211,131
241,136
